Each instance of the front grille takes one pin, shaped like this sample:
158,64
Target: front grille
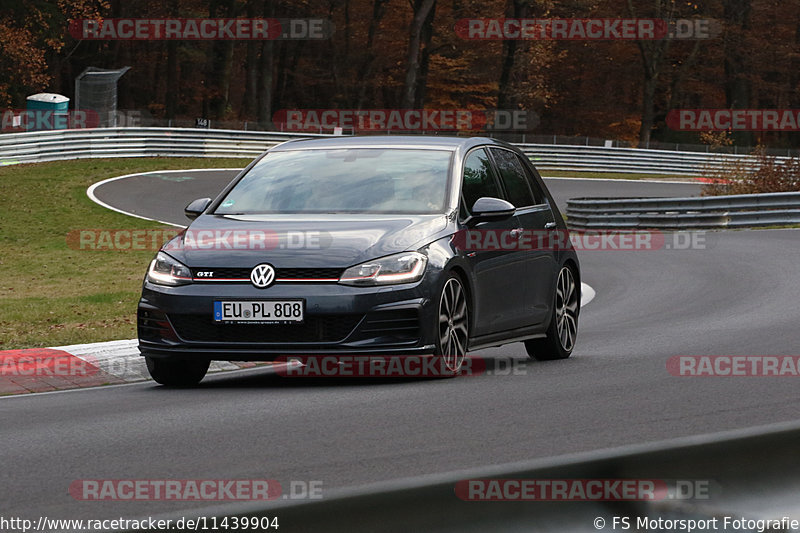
320,328
280,273
399,323
308,273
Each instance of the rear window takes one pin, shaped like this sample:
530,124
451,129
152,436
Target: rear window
513,176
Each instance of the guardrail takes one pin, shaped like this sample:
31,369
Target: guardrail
741,210
135,142
188,142
628,160
750,474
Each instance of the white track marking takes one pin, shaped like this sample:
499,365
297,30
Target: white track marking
95,199
587,294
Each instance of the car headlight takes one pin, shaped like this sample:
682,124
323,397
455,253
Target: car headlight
164,270
406,267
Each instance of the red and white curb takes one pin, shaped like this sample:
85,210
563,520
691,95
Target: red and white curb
96,364
122,359
80,366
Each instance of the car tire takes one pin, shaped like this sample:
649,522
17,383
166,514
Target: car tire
174,372
452,327
563,328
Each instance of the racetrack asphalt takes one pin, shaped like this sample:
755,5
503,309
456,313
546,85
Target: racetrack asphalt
733,295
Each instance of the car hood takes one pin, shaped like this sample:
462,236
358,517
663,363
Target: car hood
292,241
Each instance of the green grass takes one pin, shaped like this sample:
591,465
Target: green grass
612,175
50,293
774,226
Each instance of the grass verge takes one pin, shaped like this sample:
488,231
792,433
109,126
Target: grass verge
50,293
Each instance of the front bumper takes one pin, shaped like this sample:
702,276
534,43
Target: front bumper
390,320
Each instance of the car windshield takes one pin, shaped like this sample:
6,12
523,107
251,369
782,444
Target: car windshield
353,180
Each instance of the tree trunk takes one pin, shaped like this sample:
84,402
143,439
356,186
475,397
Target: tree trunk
341,90
219,76
250,98
676,92
648,108
173,84
653,55
518,9
365,71
737,83
425,56
265,77
422,9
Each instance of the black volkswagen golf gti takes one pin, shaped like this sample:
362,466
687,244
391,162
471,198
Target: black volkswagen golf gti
391,246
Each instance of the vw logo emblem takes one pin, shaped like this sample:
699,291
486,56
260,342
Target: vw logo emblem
262,276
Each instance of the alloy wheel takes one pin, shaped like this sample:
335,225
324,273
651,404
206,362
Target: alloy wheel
566,309
453,325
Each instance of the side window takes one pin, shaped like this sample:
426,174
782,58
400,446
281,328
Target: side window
513,176
478,179
538,195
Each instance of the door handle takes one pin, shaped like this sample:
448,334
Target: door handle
550,225
516,232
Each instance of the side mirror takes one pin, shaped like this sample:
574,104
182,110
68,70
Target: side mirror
196,208
488,208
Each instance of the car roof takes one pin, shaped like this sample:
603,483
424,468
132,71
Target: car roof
428,142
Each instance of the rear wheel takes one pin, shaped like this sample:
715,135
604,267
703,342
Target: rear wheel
452,331
177,372
563,328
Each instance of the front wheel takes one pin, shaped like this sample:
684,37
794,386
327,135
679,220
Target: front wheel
452,327
563,328
177,372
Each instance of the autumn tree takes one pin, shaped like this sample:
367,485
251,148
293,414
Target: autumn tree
31,32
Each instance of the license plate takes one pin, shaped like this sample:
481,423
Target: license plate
260,311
